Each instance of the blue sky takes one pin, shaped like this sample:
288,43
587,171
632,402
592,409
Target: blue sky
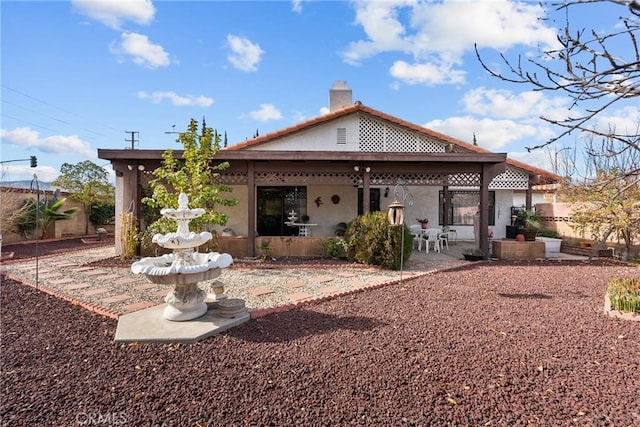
76,76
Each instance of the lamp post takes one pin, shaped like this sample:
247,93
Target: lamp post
396,215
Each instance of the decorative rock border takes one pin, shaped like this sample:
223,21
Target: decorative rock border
618,314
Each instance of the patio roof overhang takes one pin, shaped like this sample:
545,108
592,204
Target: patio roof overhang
328,156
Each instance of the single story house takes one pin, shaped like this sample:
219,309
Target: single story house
349,161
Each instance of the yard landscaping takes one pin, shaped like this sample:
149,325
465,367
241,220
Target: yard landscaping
498,342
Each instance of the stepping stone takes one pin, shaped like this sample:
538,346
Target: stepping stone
116,298
299,296
125,281
138,306
322,279
96,291
81,269
294,284
78,286
330,290
50,275
145,287
261,290
62,281
345,274
357,283
94,273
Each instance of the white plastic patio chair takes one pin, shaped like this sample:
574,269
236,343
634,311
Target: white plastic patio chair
432,236
416,231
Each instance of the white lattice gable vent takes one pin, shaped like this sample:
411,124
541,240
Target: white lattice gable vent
379,136
511,179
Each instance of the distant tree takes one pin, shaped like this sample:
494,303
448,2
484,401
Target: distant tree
195,175
595,70
88,184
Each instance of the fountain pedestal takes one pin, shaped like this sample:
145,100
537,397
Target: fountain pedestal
184,268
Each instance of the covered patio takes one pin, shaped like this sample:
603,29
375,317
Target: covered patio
332,172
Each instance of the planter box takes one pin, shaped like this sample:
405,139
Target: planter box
512,250
551,246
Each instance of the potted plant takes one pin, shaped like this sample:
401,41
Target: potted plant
473,254
424,222
304,218
528,223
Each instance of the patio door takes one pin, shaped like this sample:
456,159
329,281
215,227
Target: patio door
374,200
274,205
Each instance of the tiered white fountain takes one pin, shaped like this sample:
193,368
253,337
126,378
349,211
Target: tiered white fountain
185,267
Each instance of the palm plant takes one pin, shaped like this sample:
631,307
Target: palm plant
41,214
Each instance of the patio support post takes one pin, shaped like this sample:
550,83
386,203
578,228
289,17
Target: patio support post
489,171
251,210
527,197
484,212
366,196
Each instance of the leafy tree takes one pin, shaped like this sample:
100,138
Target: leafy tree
88,184
609,205
33,214
595,70
195,175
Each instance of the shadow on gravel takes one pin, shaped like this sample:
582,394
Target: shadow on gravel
525,296
295,324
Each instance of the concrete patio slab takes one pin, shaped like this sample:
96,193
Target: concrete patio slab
150,326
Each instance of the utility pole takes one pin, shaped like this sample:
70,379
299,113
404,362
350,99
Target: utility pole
133,138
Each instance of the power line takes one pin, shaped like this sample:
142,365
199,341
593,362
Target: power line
55,107
133,138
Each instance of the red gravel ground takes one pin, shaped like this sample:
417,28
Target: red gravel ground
493,343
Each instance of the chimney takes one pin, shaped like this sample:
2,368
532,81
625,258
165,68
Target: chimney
339,96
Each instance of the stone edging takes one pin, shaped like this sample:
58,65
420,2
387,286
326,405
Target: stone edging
617,314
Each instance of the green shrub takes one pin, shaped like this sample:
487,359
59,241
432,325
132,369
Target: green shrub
334,247
549,233
624,294
371,240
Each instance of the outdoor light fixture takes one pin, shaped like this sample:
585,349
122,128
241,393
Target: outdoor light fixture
140,168
356,168
396,213
386,192
367,169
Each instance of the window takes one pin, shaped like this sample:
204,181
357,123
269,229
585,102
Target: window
464,205
273,207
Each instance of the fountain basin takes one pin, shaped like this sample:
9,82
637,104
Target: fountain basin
163,269
184,278
180,241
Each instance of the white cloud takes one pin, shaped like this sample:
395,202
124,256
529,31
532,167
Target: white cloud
266,113
24,172
509,105
438,34
244,55
176,100
427,73
142,51
624,121
490,134
324,110
56,144
113,13
296,6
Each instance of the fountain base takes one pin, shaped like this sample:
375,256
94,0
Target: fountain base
185,302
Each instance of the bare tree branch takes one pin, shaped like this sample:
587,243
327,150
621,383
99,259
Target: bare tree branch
592,75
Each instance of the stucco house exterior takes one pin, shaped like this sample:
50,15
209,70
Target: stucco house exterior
347,162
